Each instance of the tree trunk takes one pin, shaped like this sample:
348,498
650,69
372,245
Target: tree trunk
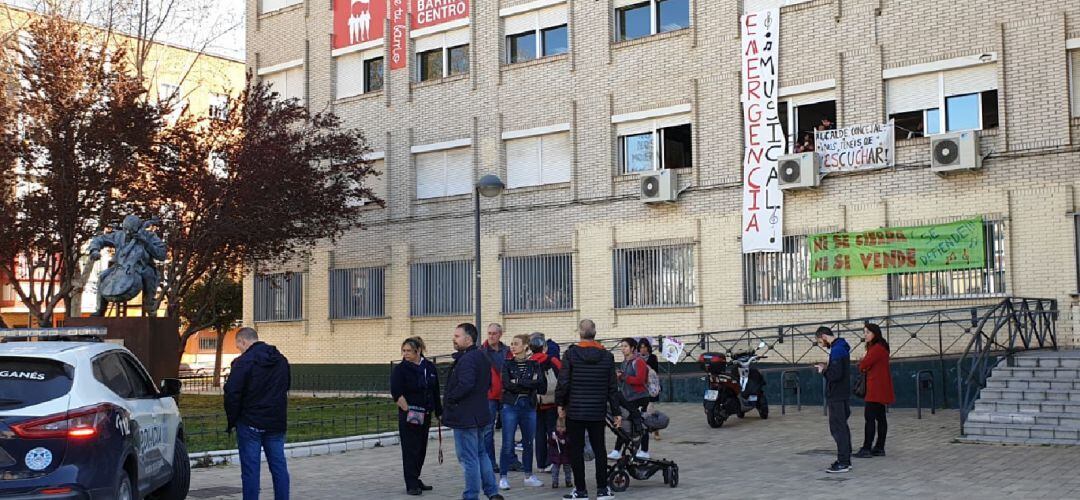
217,357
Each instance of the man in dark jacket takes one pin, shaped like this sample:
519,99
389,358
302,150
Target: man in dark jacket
837,373
256,399
465,410
587,391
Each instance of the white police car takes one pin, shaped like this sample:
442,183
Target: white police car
83,419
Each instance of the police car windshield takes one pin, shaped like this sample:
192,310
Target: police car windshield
27,382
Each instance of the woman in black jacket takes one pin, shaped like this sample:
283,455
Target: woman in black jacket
522,379
414,385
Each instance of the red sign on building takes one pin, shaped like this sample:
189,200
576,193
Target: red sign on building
432,12
358,21
398,34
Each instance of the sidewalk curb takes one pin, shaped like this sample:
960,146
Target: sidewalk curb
313,448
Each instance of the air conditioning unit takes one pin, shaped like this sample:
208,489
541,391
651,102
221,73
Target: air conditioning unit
799,171
658,186
951,152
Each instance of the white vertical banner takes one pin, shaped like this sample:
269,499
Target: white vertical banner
763,215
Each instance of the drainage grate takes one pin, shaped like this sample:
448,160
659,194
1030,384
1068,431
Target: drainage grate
216,491
691,443
817,452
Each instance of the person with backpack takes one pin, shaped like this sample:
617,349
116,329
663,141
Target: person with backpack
546,412
522,380
634,380
646,350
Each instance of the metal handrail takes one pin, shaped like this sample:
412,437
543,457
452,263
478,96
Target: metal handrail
1017,323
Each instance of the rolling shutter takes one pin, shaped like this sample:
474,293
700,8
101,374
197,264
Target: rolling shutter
970,80
520,23
552,16
912,93
459,171
350,74
430,175
1075,82
556,153
294,83
523,162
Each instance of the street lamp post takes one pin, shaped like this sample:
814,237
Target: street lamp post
488,186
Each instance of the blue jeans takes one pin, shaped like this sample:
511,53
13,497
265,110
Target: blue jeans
489,433
250,442
472,455
520,414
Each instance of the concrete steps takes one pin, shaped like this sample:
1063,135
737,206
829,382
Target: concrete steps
1034,402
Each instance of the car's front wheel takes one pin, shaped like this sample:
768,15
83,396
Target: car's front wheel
177,487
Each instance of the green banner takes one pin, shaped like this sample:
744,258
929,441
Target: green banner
892,250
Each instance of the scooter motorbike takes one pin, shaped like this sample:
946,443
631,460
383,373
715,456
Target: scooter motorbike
733,388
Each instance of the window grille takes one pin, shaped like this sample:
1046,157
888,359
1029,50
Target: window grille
279,297
537,283
441,288
784,277
988,281
357,293
658,276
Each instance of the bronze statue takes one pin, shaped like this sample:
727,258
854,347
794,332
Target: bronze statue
132,269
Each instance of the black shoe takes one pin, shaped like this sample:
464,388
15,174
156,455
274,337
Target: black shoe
496,497
414,492
838,468
576,494
425,487
863,453
878,453
604,494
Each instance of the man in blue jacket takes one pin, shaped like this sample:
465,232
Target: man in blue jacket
256,400
837,373
465,409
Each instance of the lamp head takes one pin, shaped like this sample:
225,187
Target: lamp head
490,186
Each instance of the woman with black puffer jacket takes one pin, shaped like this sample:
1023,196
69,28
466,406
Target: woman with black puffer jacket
522,379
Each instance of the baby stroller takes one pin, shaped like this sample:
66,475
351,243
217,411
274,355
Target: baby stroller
629,465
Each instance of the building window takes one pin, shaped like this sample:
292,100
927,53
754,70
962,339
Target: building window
988,281
359,73
442,55
357,293
168,92
208,342
1076,236
288,84
376,183
219,106
657,276
272,5
637,19
373,74
1074,78
784,277
655,144
542,159
968,97
446,172
441,288
801,116
279,297
536,34
537,283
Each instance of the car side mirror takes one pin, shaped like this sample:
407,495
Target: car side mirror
170,388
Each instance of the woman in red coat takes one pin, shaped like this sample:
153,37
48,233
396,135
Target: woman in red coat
879,390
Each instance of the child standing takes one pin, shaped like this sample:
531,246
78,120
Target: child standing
558,454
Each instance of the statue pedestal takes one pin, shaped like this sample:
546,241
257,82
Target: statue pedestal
155,341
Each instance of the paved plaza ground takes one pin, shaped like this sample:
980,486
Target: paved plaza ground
783,457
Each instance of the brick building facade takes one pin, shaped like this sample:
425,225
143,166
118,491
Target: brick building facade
564,130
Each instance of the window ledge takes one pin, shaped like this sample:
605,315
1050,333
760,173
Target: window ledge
820,304
646,310
341,321
465,316
651,38
538,314
626,177
556,186
359,97
280,321
986,132
971,299
443,199
534,62
287,8
430,83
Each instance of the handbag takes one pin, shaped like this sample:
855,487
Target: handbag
416,415
860,386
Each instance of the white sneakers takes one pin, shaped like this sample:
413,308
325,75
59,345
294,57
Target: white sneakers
614,455
532,481
644,455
